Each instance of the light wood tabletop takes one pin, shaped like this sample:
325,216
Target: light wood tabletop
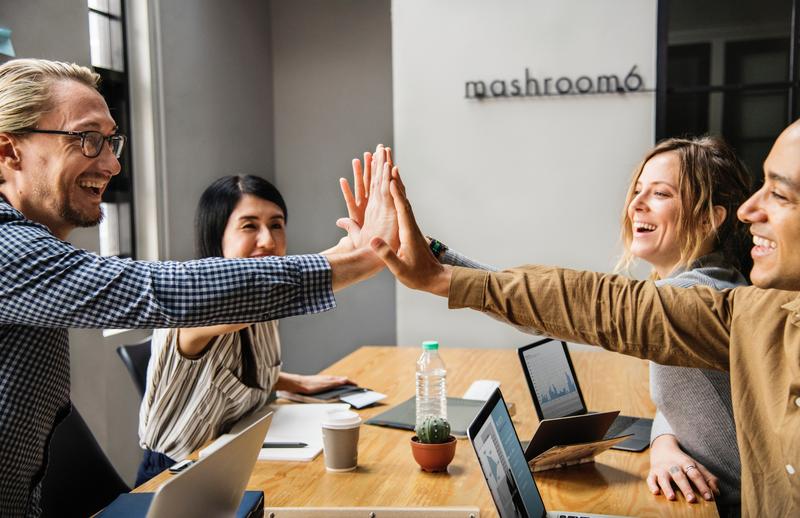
388,476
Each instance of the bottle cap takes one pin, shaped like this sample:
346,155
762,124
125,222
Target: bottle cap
430,345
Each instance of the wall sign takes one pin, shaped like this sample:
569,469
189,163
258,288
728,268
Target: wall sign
531,86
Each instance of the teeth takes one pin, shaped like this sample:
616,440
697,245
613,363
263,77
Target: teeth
766,243
89,183
646,226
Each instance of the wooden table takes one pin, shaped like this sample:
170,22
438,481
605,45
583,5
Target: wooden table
388,476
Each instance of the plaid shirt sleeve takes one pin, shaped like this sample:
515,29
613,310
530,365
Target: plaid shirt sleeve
47,282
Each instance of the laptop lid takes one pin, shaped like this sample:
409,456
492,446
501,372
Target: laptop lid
551,379
214,485
500,456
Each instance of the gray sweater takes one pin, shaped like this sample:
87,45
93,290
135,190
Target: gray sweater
692,404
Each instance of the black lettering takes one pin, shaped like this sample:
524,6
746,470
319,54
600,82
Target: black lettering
587,81
608,84
562,80
502,91
516,90
531,81
632,75
478,89
547,85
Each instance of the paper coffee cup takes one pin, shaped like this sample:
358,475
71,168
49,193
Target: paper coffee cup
340,440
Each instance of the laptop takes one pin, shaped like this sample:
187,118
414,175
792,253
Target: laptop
214,485
504,467
556,393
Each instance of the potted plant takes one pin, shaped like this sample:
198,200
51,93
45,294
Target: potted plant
433,447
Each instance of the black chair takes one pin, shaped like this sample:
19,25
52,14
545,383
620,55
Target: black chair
80,479
135,357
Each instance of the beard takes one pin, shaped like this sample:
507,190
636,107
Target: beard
78,218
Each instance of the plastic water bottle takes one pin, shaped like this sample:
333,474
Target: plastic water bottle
431,390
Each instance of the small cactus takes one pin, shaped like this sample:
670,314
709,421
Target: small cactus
433,430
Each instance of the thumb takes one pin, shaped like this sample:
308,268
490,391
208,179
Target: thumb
348,225
387,255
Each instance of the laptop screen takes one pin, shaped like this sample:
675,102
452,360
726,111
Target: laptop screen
500,455
551,379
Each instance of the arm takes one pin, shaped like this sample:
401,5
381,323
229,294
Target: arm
300,384
606,310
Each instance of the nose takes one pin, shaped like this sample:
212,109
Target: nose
265,241
638,202
108,160
751,211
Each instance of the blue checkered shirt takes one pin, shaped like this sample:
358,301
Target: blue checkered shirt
47,286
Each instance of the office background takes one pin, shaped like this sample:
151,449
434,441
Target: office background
293,89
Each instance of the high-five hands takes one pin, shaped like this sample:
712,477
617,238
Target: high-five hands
414,264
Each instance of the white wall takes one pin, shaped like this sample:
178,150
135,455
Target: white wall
510,181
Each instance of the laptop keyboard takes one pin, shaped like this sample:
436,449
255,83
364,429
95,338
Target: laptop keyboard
620,424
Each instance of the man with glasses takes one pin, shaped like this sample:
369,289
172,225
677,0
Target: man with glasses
59,149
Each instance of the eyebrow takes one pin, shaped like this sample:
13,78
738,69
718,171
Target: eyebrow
784,180
250,217
639,182
92,125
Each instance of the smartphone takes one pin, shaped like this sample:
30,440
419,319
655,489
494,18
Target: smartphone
180,466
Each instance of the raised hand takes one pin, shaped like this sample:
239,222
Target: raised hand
668,464
414,264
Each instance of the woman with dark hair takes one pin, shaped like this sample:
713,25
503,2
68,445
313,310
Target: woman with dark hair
201,380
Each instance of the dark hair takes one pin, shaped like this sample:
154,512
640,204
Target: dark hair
217,203
710,175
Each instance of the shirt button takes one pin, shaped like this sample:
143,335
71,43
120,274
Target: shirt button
790,469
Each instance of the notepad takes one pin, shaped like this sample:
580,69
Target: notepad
290,423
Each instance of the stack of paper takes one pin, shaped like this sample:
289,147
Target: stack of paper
298,423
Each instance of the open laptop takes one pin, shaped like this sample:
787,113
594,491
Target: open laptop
504,467
556,392
212,486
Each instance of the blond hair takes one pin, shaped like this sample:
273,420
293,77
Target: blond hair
26,90
710,175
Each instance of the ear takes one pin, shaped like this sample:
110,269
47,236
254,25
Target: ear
9,152
719,215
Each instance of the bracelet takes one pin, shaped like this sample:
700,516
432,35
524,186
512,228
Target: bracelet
437,247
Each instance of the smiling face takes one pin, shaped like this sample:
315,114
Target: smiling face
255,228
654,213
57,185
773,213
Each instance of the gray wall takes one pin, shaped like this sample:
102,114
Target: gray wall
333,100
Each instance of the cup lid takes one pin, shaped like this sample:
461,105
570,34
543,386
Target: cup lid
341,419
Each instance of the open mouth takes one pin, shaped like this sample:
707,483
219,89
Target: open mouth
640,227
763,246
93,187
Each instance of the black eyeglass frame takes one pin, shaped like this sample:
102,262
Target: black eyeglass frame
111,139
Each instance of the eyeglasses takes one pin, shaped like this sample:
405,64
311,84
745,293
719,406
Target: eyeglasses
91,141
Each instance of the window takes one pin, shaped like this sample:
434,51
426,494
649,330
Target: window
109,59
728,67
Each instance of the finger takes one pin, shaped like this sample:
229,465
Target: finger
652,484
386,178
665,482
699,481
405,216
348,225
713,482
358,181
683,485
375,172
396,178
389,159
367,173
387,255
352,209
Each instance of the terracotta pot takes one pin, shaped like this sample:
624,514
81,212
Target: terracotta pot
433,457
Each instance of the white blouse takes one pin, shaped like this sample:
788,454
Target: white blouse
191,401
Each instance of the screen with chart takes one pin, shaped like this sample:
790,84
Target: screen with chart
552,379
504,466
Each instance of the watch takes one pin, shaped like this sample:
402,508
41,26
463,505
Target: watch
437,247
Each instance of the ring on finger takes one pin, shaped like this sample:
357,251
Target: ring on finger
689,468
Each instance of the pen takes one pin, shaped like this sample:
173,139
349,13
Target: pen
284,445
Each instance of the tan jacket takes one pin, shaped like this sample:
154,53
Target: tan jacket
752,332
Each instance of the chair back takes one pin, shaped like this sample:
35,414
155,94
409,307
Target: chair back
136,357
80,480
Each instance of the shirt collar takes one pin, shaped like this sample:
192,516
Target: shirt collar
793,306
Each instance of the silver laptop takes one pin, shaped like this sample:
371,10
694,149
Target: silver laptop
556,392
504,467
214,485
